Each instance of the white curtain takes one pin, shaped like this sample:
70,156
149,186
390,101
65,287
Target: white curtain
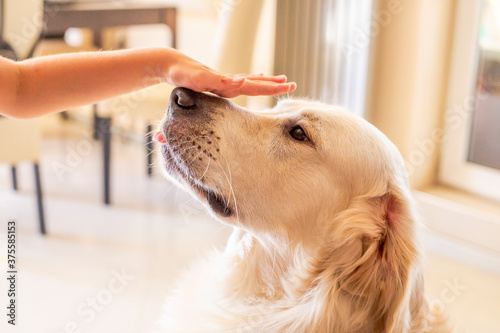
324,45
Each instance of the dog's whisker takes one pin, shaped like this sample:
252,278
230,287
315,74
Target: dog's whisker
193,159
186,149
166,192
225,175
190,140
231,187
151,152
193,139
179,144
203,175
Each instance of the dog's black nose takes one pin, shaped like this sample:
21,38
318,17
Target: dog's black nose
188,103
184,98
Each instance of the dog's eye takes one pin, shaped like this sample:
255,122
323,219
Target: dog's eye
298,133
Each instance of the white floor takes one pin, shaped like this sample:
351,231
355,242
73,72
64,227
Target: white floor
150,233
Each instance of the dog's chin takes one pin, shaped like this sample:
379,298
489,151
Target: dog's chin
183,177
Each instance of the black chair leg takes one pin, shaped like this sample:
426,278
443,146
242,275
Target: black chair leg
39,199
64,115
102,131
96,123
14,177
149,149
105,135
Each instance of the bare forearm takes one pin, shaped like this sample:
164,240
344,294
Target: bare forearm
39,86
60,82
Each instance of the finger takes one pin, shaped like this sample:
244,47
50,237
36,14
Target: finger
228,87
233,84
260,76
232,76
277,78
214,81
253,88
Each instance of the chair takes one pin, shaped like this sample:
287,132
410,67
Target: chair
20,141
21,25
20,29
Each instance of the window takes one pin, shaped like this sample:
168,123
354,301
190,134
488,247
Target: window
471,140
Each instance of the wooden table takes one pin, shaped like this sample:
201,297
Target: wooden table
100,15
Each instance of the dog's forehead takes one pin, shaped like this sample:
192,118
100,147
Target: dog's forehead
295,105
313,111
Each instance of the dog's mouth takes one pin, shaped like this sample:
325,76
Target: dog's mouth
216,201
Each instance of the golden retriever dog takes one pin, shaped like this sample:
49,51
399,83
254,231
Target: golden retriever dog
325,231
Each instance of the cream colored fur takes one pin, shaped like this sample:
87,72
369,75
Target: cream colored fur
325,231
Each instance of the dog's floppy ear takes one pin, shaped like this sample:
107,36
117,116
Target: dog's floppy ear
390,252
370,254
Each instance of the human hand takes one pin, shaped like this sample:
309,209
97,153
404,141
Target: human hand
186,72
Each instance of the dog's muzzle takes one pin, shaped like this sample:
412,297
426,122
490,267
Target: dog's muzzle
189,143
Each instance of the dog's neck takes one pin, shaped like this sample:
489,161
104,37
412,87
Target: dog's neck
261,271
274,273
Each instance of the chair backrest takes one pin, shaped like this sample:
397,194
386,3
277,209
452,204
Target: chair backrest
21,24
19,139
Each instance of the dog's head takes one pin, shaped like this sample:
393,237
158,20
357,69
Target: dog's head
284,171
302,172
